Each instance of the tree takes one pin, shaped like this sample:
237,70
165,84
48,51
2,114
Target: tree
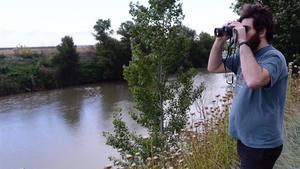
200,49
287,15
103,31
124,31
111,54
161,89
67,62
159,46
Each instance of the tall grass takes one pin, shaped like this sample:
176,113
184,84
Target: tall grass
208,144
290,157
203,144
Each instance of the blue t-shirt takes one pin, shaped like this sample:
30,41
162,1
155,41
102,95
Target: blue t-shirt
256,116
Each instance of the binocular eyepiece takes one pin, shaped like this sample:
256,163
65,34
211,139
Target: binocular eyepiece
226,30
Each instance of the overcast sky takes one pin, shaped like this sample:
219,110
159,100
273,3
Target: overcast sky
45,22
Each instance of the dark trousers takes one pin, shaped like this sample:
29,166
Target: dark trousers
257,158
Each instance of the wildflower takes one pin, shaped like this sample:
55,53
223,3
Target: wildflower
108,166
175,134
180,161
177,154
117,162
129,157
155,158
172,150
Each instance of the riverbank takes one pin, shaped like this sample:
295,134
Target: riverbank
33,69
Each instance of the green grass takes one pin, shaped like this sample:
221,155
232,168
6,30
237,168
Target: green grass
290,157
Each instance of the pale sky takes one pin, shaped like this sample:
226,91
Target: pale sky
45,22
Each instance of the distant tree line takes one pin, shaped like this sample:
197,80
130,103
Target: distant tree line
30,71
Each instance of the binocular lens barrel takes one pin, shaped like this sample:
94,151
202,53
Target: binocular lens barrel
226,30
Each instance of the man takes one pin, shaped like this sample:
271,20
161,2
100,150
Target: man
256,117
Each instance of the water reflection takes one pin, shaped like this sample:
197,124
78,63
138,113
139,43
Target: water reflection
111,95
69,103
214,84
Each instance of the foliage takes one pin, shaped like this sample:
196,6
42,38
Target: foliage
17,75
203,144
112,55
162,90
287,15
125,43
199,52
159,47
122,136
209,145
297,59
67,62
124,31
89,71
25,52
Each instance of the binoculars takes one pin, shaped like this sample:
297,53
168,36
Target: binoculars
226,30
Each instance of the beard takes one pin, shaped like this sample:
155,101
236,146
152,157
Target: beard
254,42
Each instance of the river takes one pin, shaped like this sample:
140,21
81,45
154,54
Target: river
62,129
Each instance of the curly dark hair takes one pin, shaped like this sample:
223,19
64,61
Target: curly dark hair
262,18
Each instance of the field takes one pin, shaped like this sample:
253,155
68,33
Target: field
84,51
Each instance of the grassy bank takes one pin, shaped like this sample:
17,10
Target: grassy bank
25,69
204,144
290,157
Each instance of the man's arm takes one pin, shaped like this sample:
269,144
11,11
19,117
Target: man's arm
254,75
215,63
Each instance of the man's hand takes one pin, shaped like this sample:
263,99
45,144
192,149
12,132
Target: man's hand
240,30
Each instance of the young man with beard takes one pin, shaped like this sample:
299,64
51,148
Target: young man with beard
256,116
